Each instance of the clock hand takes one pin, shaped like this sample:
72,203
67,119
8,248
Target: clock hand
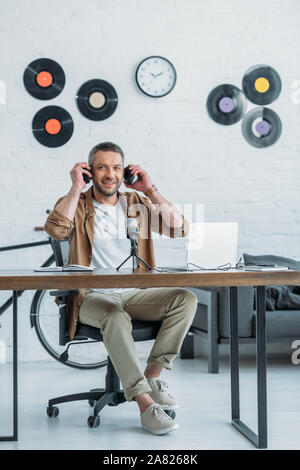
159,74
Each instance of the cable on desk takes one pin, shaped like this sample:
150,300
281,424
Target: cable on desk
222,267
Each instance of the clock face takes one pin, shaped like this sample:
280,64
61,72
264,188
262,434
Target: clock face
156,76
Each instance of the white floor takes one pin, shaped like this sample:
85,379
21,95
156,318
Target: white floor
203,417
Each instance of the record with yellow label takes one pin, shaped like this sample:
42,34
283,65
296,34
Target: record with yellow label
97,99
52,126
261,84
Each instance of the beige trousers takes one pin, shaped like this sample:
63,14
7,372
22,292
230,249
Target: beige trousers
112,313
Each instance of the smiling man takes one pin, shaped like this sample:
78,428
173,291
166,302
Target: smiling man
95,223
107,174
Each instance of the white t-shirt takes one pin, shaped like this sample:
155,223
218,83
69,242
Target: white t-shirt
111,245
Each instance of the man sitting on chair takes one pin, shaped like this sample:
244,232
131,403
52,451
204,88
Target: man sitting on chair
95,224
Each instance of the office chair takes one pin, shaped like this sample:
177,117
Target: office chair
111,395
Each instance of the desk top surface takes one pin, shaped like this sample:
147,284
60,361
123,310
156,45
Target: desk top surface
12,279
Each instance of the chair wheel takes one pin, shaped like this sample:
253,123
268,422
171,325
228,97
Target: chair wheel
52,411
93,421
171,413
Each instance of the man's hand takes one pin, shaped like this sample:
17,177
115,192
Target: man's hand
68,204
76,175
143,182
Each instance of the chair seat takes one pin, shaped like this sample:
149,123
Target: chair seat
141,330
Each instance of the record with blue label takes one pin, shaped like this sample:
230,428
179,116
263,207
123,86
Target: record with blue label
97,99
52,126
261,127
262,84
226,104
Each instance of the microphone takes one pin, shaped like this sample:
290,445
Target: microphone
133,231
133,235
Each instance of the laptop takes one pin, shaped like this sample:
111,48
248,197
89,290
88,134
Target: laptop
209,245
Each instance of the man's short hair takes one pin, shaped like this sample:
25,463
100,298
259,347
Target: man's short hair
105,147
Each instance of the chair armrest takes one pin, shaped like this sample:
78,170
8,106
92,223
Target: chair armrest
62,305
62,296
63,293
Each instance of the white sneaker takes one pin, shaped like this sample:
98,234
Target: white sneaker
155,420
161,395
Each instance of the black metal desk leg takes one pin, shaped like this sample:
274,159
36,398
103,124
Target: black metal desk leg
234,355
15,364
14,437
261,358
259,439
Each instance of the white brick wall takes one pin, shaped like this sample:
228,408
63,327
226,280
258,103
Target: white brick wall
190,158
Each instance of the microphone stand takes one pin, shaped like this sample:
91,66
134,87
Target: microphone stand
134,255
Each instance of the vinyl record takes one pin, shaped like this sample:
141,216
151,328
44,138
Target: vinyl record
261,127
226,104
97,99
261,84
44,79
52,126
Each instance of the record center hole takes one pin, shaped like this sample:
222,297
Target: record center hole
262,84
44,79
97,99
53,126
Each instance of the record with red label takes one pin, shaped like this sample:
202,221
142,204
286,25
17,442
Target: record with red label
261,127
52,126
44,79
226,104
261,84
97,99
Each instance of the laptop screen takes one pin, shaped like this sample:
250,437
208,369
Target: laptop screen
212,244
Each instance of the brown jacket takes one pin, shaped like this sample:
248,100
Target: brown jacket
80,233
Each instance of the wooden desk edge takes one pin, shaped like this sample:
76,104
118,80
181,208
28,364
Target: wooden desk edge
27,279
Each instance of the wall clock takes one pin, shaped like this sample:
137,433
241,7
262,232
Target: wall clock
155,76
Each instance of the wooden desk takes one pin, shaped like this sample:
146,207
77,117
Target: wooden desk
14,279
